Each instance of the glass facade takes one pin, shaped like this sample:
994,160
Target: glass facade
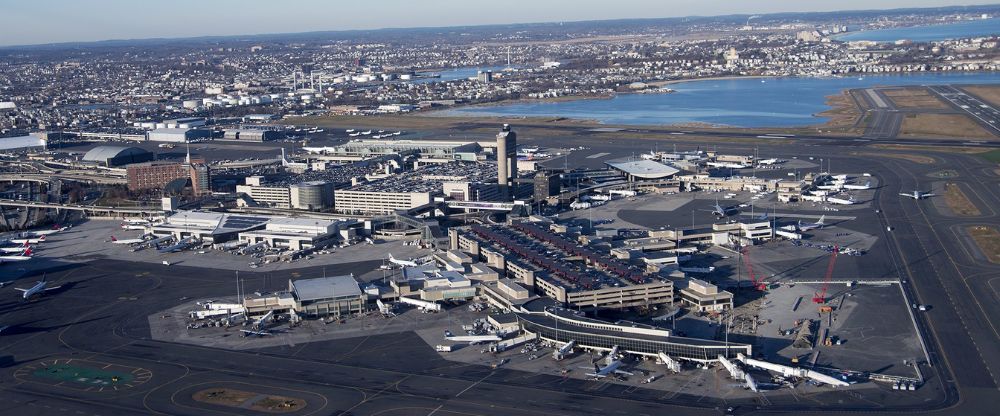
694,349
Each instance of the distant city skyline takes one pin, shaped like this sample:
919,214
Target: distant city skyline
57,21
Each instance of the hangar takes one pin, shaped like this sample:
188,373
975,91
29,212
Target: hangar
111,156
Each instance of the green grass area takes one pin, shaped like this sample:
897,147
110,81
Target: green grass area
992,155
83,375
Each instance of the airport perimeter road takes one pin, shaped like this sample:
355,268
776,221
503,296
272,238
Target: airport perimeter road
986,114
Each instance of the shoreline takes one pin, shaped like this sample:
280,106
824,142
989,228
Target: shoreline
826,119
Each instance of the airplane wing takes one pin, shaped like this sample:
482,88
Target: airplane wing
624,372
909,195
53,288
20,290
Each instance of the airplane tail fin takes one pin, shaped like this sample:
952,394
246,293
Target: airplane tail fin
26,244
113,239
596,369
27,253
821,218
42,238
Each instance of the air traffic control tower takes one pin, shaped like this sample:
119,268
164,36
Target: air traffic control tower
507,162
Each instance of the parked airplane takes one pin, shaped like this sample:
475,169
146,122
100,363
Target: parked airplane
841,201
407,263
770,161
721,211
127,240
39,288
28,234
26,255
812,225
181,245
611,368
917,194
471,339
28,240
867,185
259,326
728,165
19,249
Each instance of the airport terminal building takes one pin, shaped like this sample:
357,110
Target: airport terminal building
560,326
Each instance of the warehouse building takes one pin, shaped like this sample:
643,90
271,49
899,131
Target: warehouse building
252,135
177,135
21,143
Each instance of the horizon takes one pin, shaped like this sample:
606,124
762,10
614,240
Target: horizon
21,18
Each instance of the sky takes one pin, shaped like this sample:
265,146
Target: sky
27,22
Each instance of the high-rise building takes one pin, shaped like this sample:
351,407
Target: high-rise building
507,162
546,184
485,77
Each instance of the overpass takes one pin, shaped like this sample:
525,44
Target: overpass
46,177
90,210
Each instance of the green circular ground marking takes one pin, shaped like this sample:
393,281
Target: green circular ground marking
83,375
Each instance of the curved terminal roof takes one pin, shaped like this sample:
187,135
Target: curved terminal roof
646,169
103,153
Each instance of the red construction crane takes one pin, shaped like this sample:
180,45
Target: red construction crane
758,284
820,297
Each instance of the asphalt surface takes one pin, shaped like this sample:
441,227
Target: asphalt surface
101,312
987,115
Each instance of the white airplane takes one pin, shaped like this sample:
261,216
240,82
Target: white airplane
28,234
841,201
836,186
812,225
611,368
867,185
19,249
26,255
4,328
259,328
471,339
181,245
728,165
770,161
39,288
28,240
721,211
406,263
917,194
127,240
156,241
